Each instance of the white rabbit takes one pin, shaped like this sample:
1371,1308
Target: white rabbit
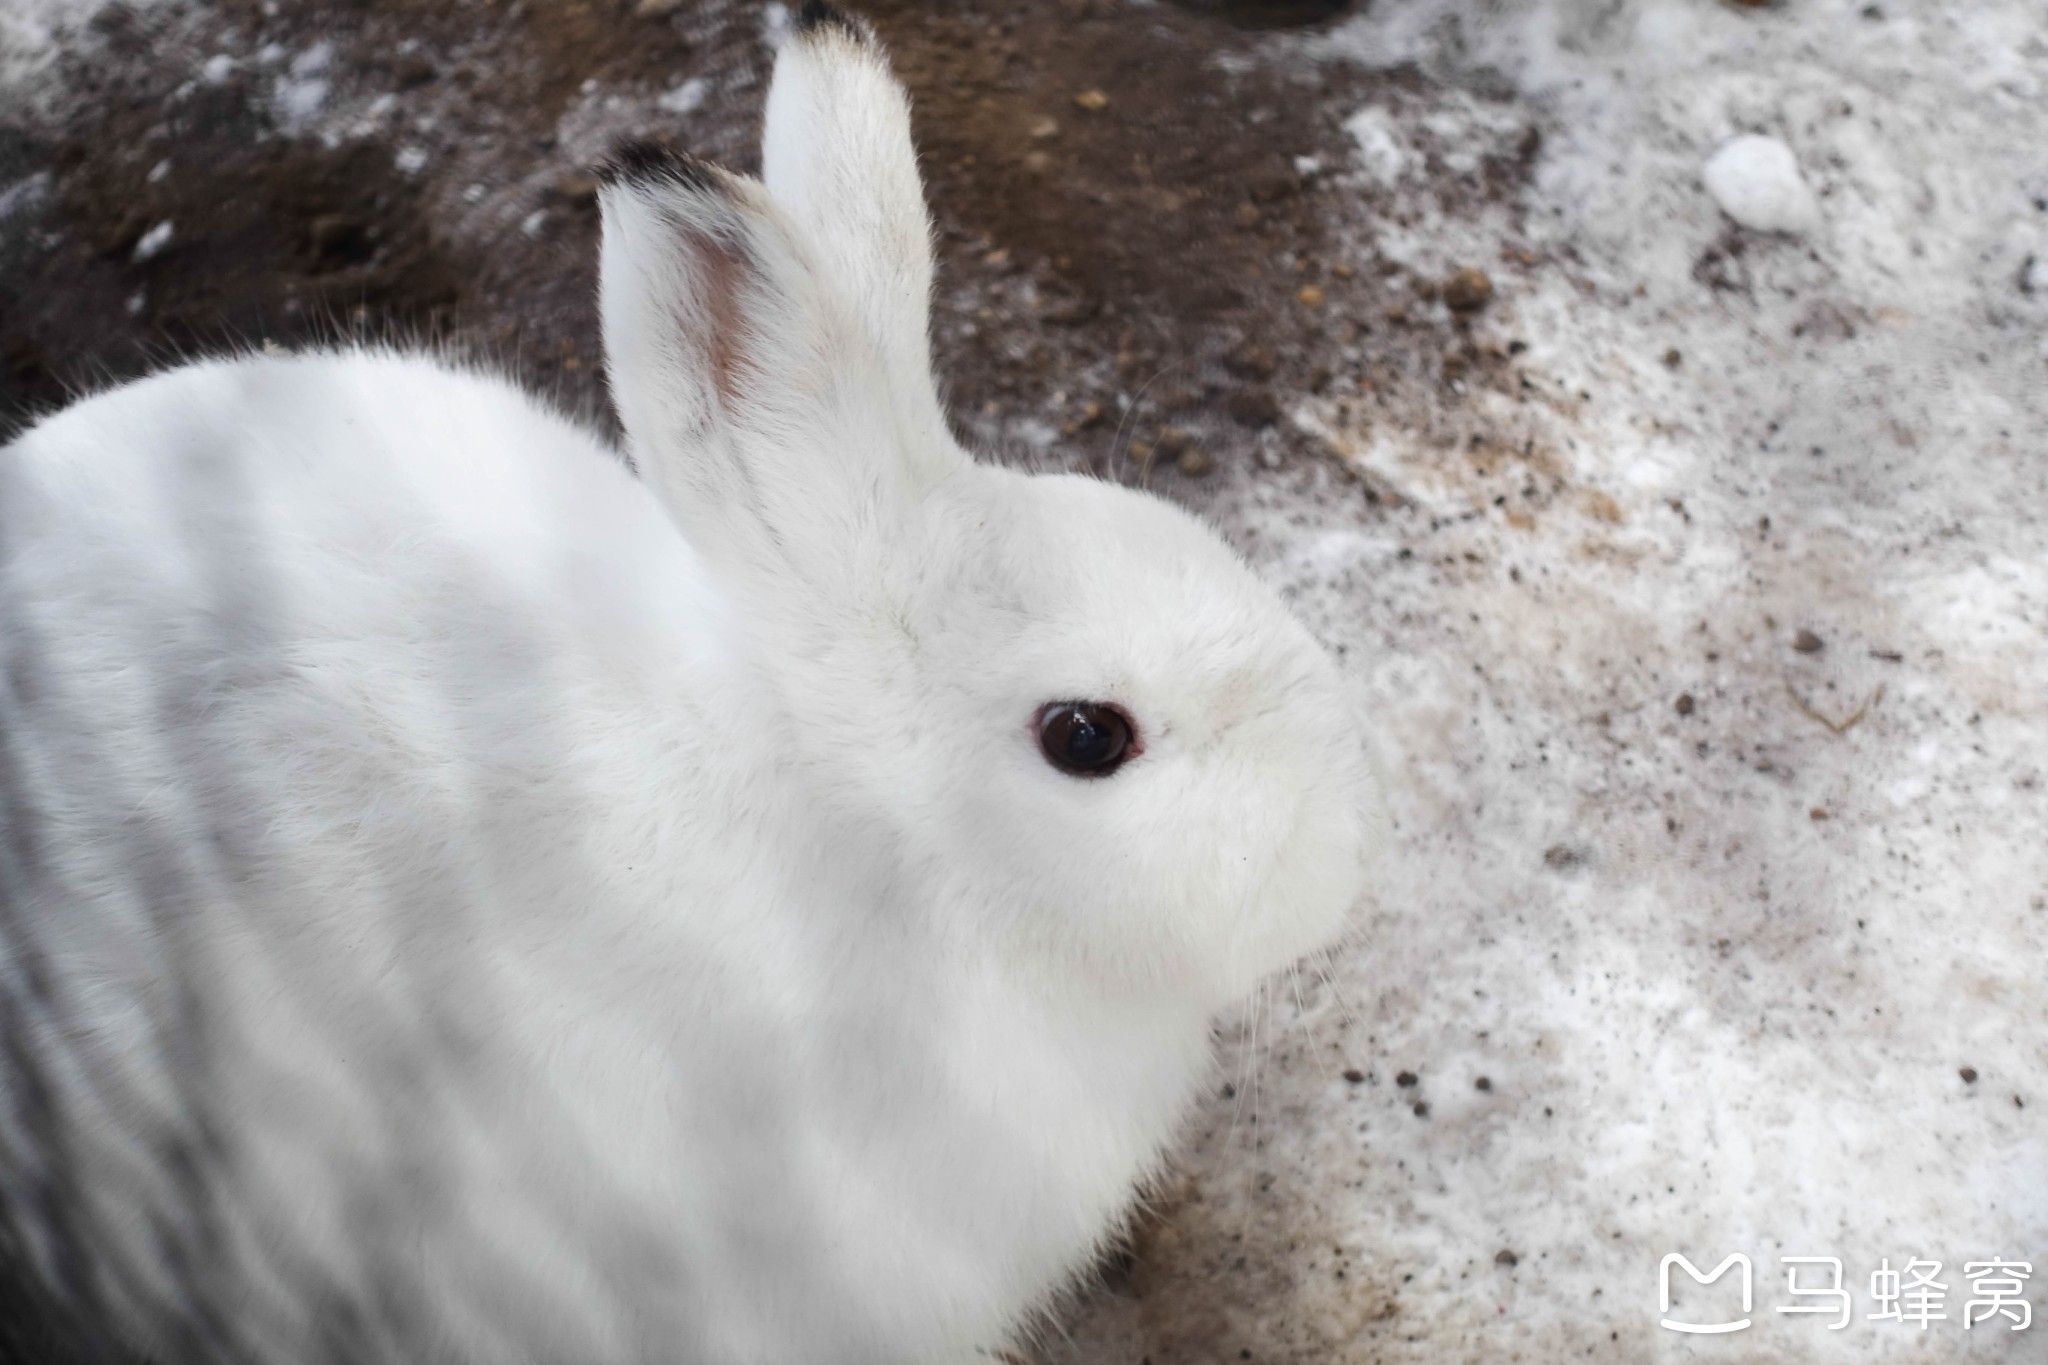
461,902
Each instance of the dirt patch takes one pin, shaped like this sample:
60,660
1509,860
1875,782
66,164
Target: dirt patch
1126,200
1127,248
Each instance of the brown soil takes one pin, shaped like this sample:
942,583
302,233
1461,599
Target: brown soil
1158,245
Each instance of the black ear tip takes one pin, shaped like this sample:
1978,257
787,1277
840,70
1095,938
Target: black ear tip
818,16
643,162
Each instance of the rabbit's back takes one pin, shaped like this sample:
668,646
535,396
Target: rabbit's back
417,945
282,486
314,676
303,596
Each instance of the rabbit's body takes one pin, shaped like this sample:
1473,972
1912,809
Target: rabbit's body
488,1028
464,903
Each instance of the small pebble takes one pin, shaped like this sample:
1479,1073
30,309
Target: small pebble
1309,296
1405,1079
1045,128
413,69
1969,1075
1252,361
1684,704
1673,359
1195,462
1506,1258
1272,188
684,97
1355,1076
1483,1083
153,241
1254,407
1468,291
1094,101
1806,642
575,189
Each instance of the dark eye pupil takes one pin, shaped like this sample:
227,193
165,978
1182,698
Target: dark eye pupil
1084,738
1089,744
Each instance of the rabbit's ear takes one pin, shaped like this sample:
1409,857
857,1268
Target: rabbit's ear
836,152
753,405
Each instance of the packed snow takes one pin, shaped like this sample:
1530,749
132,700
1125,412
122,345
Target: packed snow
1756,181
1718,915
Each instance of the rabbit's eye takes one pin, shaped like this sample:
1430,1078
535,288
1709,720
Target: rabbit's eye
1085,738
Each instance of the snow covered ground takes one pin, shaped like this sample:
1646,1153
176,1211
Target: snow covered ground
1717,707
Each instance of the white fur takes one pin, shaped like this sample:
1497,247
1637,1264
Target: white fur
561,937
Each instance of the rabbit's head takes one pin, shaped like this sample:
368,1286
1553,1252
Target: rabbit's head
1092,740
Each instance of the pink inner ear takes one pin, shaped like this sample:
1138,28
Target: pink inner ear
722,271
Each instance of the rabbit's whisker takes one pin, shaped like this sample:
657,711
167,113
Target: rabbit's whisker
1124,422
